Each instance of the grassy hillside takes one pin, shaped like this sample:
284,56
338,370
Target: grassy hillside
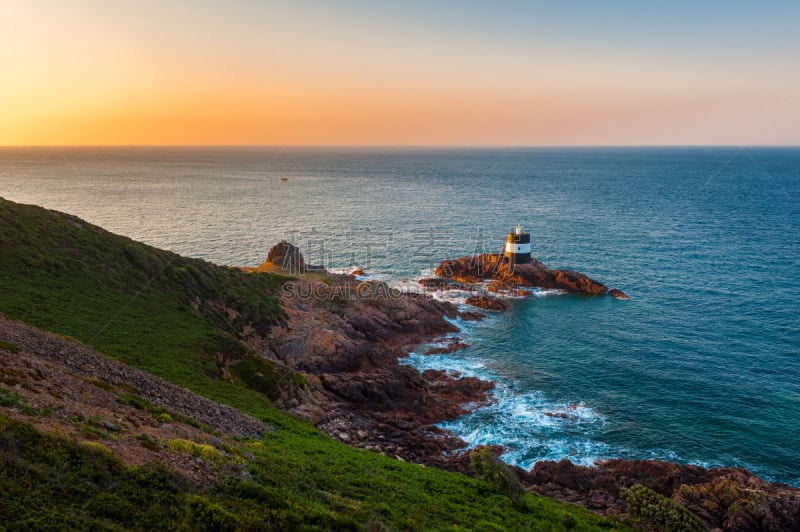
175,317
126,299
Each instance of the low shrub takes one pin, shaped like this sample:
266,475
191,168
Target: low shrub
658,512
96,382
198,450
8,346
147,442
99,447
133,400
491,470
8,398
160,414
202,514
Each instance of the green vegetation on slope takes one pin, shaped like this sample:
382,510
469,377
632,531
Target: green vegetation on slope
176,317
656,512
49,483
173,316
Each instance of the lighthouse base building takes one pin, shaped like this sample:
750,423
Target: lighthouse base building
518,246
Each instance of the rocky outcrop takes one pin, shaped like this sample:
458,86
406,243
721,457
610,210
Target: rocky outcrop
451,346
488,303
286,256
724,498
735,499
617,293
511,277
347,337
471,315
427,445
438,283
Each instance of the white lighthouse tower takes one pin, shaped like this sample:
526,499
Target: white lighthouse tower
518,246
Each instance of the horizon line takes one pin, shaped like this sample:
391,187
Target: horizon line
397,146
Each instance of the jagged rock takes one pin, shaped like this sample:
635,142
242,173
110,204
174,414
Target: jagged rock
724,498
511,277
286,256
735,499
488,303
617,293
471,315
451,347
347,337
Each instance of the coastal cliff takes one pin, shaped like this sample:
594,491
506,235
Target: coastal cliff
88,443
325,347
723,498
352,333
347,337
350,336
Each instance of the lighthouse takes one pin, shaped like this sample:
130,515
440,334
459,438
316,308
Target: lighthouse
518,246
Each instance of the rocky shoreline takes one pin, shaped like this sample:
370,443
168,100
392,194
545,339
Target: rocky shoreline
349,337
723,498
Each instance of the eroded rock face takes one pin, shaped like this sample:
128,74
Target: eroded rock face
534,274
724,498
287,256
357,326
735,499
348,337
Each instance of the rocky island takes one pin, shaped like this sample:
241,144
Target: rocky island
496,274
507,277
512,273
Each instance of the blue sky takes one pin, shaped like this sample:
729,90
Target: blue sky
357,72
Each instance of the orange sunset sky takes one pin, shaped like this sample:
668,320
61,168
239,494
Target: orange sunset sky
415,73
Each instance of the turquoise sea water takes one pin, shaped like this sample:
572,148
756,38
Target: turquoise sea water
701,365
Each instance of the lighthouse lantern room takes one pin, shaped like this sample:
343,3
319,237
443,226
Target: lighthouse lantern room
518,246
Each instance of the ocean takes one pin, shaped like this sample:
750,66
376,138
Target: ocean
701,365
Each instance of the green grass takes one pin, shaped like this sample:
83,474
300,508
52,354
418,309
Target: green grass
134,302
267,378
137,304
8,346
51,484
164,415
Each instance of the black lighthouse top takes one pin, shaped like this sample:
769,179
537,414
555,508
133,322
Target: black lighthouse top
518,246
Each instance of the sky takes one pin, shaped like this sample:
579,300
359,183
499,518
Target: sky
235,72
